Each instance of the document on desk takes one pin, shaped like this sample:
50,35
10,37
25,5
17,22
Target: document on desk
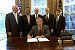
43,39
32,40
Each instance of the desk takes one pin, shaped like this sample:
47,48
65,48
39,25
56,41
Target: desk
22,44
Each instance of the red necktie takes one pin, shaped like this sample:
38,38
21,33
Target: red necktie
40,31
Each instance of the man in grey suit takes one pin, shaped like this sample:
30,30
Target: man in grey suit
40,30
13,23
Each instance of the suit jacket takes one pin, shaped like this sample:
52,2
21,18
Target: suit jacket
60,24
36,32
35,18
26,27
50,21
11,24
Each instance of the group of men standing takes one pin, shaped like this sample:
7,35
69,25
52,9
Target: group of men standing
18,26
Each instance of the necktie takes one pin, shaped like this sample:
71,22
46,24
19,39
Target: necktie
40,31
36,16
56,21
16,18
28,17
46,18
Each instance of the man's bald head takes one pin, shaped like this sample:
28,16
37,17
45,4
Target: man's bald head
36,10
15,8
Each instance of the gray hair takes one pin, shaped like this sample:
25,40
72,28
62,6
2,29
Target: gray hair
38,19
47,8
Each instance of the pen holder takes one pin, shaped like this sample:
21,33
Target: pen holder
60,41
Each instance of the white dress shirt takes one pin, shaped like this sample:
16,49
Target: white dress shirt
47,15
36,15
15,14
58,17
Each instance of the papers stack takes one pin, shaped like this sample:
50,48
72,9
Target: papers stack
32,40
42,39
37,40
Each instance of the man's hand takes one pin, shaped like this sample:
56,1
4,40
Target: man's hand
62,30
9,34
38,37
20,34
52,30
29,37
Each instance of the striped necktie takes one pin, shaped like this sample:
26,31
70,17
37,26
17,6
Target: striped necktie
40,31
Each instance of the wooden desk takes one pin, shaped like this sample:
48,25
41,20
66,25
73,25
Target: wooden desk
22,44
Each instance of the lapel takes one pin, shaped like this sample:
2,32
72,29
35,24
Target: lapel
59,18
13,17
37,30
39,15
26,18
45,16
34,16
30,19
18,17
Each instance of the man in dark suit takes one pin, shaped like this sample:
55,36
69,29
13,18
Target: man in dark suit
36,15
59,23
13,23
39,30
27,22
49,20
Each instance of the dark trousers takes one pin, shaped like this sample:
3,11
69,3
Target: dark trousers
52,34
57,32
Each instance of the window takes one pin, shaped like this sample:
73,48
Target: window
5,7
41,4
69,13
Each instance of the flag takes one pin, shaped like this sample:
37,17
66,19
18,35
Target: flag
20,8
60,6
60,3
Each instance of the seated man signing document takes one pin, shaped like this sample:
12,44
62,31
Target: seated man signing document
39,30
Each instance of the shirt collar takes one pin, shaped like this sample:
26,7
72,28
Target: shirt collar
27,15
47,15
58,17
14,13
39,27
